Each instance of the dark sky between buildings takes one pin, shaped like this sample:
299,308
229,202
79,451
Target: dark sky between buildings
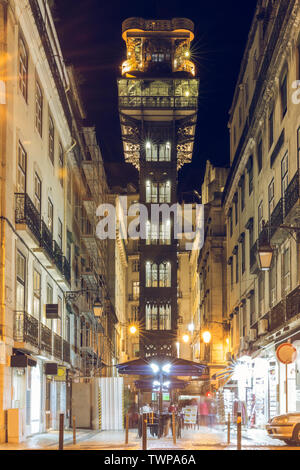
90,35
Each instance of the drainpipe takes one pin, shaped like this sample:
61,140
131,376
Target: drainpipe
3,113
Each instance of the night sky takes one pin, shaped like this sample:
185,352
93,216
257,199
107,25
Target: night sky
90,35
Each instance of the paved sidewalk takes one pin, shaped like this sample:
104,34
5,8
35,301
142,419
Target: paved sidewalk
204,438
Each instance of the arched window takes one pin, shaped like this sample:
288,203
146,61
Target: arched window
165,152
165,274
151,317
165,317
151,274
23,68
165,192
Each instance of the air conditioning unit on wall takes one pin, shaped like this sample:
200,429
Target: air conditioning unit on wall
263,326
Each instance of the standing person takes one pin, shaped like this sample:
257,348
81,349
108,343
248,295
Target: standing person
205,412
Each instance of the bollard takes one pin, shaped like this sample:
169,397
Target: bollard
228,429
239,431
126,429
174,428
61,431
74,430
144,431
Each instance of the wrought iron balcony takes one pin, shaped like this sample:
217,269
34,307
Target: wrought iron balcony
253,258
46,239
277,316
57,346
293,303
66,270
57,256
27,214
292,194
172,102
45,338
26,328
66,351
133,297
277,217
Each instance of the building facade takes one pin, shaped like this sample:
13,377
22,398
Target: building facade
52,179
261,196
210,310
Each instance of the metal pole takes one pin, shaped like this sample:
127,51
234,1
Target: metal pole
228,429
239,430
144,431
61,431
74,430
286,389
126,429
174,428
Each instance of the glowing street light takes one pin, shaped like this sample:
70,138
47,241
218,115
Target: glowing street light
206,336
185,338
133,329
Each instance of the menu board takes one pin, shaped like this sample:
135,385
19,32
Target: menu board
190,414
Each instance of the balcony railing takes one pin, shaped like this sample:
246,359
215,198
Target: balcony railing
66,269
66,351
26,328
46,240
57,346
293,303
277,316
292,194
46,338
57,256
277,217
158,102
27,214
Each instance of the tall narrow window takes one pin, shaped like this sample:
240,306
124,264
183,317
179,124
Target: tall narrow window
243,253
259,155
50,216
135,290
23,69
165,274
260,217
272,277
236,208
38,108
165,233
151,317
242,186
271,195
261,292
60,233
22,167
250,173
283,94
61,164
36,294
286,271
284,174
37,192
271,128
21,279
51,139
165,192
237,265
165,317
49,301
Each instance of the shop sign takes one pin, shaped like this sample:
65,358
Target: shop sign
286,353
61,374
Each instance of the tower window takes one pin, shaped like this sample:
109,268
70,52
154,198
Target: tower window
158,317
